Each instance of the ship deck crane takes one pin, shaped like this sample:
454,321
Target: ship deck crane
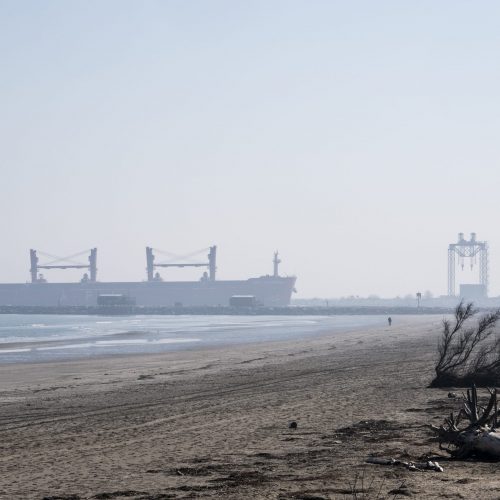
63,263
176,261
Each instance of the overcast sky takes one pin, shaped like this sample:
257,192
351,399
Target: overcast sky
356,137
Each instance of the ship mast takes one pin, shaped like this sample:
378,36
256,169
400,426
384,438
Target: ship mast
276,263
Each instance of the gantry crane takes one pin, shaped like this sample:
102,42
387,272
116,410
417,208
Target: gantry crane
467,249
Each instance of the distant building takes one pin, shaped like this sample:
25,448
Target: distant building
243,301
472,292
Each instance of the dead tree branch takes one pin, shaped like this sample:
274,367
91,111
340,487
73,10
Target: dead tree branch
468,354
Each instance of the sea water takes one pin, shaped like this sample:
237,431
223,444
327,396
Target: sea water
42,338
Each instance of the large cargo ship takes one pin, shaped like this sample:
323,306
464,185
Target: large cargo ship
269,290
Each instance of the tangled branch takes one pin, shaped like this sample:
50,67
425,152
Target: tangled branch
468,354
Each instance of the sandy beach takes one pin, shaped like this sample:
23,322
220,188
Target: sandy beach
213,423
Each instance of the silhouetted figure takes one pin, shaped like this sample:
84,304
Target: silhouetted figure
389,320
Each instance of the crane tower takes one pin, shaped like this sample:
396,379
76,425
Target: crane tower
467,249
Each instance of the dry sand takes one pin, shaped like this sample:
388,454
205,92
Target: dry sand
214,423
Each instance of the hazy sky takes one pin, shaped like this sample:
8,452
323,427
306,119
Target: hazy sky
357,137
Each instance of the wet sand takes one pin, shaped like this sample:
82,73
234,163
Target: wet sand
213,423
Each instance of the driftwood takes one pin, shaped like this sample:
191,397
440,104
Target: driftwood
478,435
412,466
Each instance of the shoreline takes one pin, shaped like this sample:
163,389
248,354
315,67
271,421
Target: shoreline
192,341
192,355
154,335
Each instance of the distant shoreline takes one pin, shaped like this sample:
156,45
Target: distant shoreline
224,311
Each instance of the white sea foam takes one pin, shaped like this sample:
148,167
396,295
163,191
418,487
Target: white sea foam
105,343
66,346
174,341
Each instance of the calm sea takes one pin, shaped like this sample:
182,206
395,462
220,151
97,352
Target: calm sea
39,338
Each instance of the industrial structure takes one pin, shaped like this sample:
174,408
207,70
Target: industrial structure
468,249
268,290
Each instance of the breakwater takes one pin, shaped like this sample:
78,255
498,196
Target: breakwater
224,310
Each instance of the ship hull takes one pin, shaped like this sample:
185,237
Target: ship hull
268,291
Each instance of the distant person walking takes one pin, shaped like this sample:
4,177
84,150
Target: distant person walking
389,320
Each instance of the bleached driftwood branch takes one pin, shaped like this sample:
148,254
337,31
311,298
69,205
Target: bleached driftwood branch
412,466
479,434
